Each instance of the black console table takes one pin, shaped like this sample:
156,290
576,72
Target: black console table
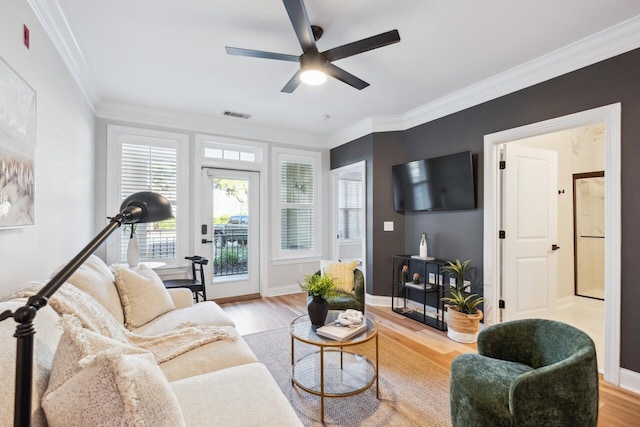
420,301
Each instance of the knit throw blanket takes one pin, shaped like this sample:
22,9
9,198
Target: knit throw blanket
93,316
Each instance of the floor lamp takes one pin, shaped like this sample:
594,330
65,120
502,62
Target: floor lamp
140,207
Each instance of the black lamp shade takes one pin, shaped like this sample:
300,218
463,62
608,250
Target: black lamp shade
145,206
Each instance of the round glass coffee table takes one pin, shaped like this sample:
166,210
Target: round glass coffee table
334,369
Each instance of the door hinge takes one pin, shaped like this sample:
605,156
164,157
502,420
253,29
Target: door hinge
501,303
503,164
502,234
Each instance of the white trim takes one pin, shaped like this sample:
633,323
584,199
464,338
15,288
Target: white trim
282,290
113,177
611,116
377,300
630,380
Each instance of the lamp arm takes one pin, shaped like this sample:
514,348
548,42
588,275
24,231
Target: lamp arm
25,315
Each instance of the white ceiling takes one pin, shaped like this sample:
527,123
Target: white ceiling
169,55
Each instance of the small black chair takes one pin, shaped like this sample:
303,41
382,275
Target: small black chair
194,285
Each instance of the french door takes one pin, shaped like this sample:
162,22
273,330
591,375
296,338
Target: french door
231,232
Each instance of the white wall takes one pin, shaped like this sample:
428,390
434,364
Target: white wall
279,278
65,137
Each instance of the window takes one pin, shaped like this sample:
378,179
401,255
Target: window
296,186
350,209
144,160
223,151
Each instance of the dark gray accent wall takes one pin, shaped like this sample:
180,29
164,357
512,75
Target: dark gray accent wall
459,234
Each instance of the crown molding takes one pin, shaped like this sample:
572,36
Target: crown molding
606,44
227,127
57,28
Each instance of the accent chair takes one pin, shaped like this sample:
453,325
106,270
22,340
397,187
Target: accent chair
531,372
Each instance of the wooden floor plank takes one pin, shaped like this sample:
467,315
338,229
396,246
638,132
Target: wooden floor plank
617,407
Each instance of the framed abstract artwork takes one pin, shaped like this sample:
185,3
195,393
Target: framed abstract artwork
17,149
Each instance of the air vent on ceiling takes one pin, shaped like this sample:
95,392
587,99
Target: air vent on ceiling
237,115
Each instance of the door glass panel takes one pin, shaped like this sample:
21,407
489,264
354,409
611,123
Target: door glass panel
589,234
231,227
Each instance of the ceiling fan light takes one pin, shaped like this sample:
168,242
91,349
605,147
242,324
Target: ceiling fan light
313,77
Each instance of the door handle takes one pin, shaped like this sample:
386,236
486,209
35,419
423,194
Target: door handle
555,247
206,241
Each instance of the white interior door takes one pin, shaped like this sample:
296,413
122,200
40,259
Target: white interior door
230,207
530,224
349,208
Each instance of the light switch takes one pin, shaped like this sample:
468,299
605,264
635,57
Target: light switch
388,226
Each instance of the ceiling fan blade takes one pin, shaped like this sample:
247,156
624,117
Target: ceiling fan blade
301,25
293,83
344,76
261,54
363,45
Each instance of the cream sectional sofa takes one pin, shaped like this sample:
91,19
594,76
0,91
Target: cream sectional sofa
220,383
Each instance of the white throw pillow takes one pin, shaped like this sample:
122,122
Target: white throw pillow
114,389
95,278
96,380
142,294
76,344
342,272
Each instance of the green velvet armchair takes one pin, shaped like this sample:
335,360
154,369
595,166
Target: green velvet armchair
353,300
531,372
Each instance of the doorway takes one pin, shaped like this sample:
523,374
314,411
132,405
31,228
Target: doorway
539,211
348,213
610,116
230,208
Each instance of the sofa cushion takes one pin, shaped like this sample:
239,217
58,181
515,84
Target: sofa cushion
44,347
210,357
203,313
244,396
95,278
114,389
142,294
341,271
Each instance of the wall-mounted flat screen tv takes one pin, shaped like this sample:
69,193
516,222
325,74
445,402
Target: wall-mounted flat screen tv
439,183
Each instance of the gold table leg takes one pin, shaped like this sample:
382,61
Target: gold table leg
322,384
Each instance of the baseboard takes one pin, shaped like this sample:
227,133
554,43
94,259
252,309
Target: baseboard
630,380
564,302
281,290
376,300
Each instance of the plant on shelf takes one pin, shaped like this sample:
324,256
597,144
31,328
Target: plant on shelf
319,288
463,315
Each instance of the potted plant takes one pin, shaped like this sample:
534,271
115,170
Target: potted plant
319,289
462,315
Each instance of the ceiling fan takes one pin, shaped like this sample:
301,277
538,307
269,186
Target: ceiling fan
315,65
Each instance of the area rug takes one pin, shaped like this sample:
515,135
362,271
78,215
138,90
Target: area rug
413,391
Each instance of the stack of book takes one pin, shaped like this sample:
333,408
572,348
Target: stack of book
341,333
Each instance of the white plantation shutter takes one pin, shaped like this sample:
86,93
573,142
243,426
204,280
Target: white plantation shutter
350,209
296,206
296,210
146,167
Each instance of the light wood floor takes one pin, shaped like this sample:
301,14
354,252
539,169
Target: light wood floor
618,407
